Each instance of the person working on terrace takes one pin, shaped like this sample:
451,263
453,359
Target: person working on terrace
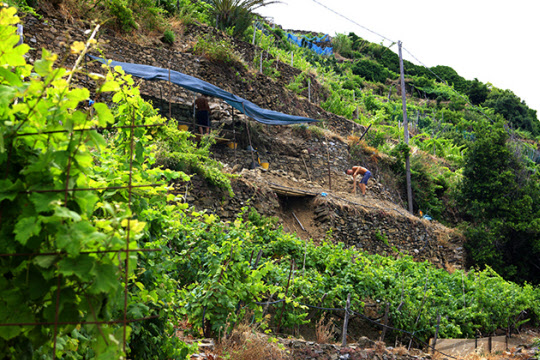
366,174
202,114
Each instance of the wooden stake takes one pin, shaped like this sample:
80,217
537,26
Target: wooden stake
307,169
436,332
328,159
286,293
346,321
302,226
249,136
365,132
385,321
170,92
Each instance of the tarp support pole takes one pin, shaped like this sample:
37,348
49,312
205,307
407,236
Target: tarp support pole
170,117
365,132
234,135
161,98
328,159
194,117
249,137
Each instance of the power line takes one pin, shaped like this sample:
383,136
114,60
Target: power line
354,22
444,82
414,57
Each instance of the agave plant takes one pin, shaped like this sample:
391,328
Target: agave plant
236,14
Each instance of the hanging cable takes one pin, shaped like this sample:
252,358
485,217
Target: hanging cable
354,22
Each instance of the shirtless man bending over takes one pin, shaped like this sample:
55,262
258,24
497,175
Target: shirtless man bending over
366,174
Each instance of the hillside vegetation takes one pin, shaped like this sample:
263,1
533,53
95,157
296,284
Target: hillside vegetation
103,258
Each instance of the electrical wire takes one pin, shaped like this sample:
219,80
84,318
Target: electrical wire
352,21
414,57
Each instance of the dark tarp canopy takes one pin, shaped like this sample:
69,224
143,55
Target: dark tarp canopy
268,117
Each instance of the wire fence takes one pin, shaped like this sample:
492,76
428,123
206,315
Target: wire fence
68,190
348,312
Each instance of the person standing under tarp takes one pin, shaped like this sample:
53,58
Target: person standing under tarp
202,114
359,170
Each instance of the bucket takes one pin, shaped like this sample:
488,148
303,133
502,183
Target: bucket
183,127
265,165
232,145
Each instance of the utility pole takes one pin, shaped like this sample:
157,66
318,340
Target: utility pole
406,130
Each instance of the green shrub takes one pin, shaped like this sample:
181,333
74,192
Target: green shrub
215,50
342,44
299,83
353,82
371,70
123,15
375,138
168,37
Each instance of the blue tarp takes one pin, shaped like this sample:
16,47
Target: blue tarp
147,72
310,44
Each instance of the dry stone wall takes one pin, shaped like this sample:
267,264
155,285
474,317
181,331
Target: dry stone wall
383,232
375,231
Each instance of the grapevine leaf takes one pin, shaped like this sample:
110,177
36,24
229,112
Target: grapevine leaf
110,85
68,241
9,332
7,94
10,190
104,114
139,152
97,139
10,77
63,212
42,201
26,228
80,266
105,279
45,261
37,285
43,67
86,201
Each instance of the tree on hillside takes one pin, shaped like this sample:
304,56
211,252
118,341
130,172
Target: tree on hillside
451,76
236,14
477,92
507,104
502,205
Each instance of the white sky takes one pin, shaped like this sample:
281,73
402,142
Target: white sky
492,40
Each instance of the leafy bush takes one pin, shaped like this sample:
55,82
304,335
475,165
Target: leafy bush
236,15
85,233
342,44
190,12
516,112
353,82
375,138
123,15
299,83
446,73
215,50
372,71
169,37
338,103
174,151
